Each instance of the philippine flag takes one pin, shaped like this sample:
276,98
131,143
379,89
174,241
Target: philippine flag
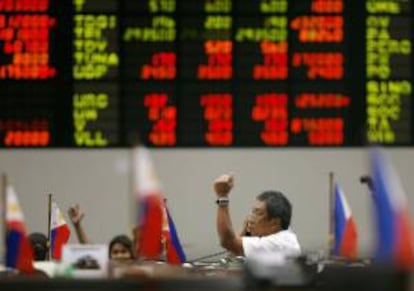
59,232
19,253
150,205
346,236
174,251
394,236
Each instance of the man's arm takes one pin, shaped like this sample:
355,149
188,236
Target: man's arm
228,238
76,216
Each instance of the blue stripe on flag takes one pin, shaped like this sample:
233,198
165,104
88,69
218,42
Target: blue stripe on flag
340,220
385,214
13,248
175,240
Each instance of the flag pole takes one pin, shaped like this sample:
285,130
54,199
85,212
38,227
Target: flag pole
131,171
3,216
49,219
331,214
134,207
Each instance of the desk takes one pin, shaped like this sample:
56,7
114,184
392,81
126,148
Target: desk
170,278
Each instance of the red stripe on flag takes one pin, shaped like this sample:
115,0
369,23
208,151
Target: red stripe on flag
349,247
151,228
60,237
25,256
403,245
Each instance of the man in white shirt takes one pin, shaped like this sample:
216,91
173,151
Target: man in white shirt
266,231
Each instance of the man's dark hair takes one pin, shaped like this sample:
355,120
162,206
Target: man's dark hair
39,245
277,206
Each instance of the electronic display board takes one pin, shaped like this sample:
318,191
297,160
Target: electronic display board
207,73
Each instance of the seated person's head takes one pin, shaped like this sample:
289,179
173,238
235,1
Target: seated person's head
120,248
271,213
39,245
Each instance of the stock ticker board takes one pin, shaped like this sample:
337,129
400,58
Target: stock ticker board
206,73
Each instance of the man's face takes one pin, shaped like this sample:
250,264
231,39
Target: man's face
259,223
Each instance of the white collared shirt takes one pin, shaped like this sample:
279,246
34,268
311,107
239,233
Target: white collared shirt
283,242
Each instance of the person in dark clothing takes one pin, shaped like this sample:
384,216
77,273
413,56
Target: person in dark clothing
39,245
